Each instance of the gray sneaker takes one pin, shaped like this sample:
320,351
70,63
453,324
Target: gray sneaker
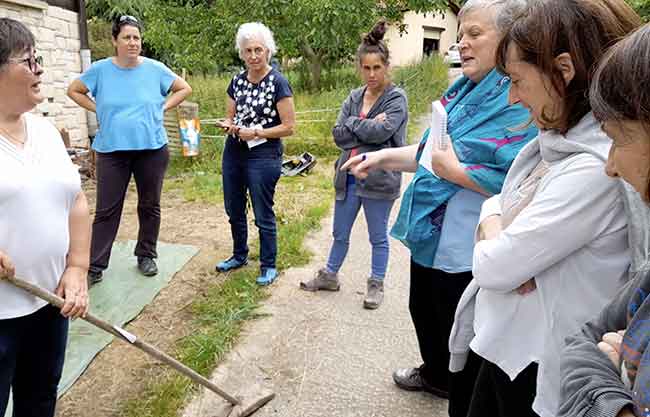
375,294
324,280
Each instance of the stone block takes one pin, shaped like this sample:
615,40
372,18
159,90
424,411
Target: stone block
51,22
47,35
60,43
59,13
73,45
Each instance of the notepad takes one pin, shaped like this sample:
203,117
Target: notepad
255,142
438,138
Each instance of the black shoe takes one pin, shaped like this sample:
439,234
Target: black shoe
411,379
147,266
94,277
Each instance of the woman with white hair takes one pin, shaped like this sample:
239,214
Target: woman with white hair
259,112
439,212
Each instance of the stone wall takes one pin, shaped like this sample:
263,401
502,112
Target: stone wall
57,40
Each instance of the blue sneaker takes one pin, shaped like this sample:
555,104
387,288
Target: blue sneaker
268,276
230,264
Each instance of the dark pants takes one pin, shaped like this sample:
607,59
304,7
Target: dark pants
462,384
32,349
242,172
495,395
433,299
114,170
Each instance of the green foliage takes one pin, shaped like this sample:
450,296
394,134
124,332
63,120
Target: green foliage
642,7
200,35
99,37
110,9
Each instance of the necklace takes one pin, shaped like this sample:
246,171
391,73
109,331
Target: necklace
12,138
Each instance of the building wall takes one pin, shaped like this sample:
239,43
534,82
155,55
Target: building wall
407,48
57,40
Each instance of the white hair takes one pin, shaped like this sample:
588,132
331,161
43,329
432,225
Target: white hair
504,12
258,31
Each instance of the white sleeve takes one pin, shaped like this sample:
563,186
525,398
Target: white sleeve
490,207
570,209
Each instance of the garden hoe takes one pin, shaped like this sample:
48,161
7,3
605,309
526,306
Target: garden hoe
239,407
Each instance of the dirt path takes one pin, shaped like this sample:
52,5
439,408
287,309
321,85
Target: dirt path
322,353
119,372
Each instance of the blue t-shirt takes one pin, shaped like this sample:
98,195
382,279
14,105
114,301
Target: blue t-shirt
257,103
456,245
129,104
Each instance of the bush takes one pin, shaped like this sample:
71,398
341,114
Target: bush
316,112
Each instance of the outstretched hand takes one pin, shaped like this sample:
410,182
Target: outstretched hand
361,165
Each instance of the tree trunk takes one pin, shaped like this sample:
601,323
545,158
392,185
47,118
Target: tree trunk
315,65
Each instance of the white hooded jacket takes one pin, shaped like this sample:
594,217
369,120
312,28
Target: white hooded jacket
572,238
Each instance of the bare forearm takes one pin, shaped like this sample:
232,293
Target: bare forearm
79,223
400,159
458,176
275,132
83,101
176,98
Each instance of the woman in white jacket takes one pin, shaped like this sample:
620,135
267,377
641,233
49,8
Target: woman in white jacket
553,246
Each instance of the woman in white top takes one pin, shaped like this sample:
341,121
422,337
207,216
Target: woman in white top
553,246
44,233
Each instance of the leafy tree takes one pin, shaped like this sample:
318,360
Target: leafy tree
200,35
110,9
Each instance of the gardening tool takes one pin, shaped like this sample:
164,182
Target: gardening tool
239,407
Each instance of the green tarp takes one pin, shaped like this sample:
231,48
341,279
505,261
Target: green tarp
118,299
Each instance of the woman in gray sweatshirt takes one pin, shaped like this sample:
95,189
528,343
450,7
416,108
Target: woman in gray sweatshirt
606,367
373,117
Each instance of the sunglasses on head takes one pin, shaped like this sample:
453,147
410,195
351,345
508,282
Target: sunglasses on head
128,18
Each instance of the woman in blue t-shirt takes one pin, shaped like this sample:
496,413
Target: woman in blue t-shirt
259,111
131,94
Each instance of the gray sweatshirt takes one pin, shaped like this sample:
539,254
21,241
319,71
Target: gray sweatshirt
591,386
367,135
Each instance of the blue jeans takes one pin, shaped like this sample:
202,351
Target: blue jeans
255,173
32,350
345,213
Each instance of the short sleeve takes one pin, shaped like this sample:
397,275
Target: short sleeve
90,78
231,87
282,87
167,77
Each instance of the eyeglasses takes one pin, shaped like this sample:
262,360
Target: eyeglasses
33,62
128,18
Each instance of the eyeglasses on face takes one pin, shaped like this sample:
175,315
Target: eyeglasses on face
33,62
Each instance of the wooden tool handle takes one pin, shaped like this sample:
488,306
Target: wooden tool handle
126,336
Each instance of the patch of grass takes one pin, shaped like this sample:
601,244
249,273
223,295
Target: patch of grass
221,311
301,203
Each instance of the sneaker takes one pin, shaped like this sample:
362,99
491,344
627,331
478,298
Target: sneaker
230,264
95,277
375,294
411,379
267,276
324,280
147,266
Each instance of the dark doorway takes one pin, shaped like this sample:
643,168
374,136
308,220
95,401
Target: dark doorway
430,46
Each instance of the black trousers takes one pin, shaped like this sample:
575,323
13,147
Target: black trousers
495,395
114,170
32,349
434,296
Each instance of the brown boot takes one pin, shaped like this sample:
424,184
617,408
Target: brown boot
324,280
375,294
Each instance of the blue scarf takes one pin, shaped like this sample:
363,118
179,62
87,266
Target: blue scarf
479,123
